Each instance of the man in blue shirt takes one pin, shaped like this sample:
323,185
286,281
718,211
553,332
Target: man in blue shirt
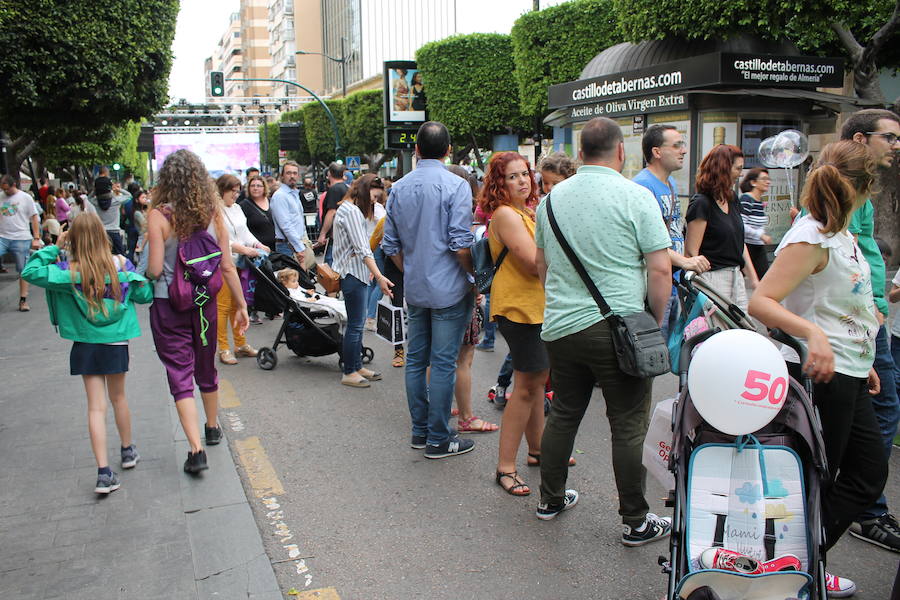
664,149
287,212
428,235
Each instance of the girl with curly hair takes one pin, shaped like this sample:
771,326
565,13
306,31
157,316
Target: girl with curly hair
714,225
184,201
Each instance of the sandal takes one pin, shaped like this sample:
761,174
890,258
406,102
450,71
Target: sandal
399,358
537,460
454,412
517,488
476,425
23,306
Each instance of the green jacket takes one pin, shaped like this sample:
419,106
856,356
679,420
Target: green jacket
69,309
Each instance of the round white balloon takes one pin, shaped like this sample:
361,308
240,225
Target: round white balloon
738,381
765,153
791,148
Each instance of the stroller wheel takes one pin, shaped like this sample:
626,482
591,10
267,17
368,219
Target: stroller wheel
367,355
266,359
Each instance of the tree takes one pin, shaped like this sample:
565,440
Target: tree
112,145
99,68
319,132
364,127
553,45
471,86
268,134
865,32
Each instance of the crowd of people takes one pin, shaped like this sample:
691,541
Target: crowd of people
411,242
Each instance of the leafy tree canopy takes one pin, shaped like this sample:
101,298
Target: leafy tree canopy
553,45
471,86
319,132
364,122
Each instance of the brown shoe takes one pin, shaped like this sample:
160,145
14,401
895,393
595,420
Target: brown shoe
355,380
227,358
246,350
23,306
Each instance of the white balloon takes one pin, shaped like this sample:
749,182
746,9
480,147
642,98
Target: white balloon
765,155
791,148
738,381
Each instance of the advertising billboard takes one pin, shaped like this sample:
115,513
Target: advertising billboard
404,93
220,152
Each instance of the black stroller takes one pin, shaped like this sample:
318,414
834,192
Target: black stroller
785,460
310,327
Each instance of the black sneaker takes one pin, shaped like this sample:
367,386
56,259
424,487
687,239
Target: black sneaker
130,457
452,447
107,483
546,511
196,462
213,435
417,442
883,532
654,528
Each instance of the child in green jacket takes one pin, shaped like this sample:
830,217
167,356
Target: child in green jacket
99,318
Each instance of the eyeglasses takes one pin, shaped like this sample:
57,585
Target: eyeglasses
676,145
890,138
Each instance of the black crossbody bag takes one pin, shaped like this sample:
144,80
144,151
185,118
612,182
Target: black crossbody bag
640,348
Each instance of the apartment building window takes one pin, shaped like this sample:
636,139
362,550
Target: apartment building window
237,34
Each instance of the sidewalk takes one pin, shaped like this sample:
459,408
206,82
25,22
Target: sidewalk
161,535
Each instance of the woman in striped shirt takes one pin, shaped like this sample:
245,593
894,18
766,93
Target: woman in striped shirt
753,212
354,262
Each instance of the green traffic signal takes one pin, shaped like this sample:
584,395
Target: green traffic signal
217,83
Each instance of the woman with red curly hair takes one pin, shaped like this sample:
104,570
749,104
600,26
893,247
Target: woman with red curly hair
517,305
714,225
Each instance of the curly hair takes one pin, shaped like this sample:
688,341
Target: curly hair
185,185
714,174
558,163
493,192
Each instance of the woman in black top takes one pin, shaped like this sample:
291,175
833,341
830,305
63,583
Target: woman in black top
417,92
256,209
714,225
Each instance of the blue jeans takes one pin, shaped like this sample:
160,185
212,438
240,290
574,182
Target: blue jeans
329,254
374,288
435,335
115,238
504,377
18,248
490,328
670,315
887,410
895,352
284,248
355,293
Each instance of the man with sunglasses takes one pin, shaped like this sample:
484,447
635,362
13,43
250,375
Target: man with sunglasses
664,149
879,130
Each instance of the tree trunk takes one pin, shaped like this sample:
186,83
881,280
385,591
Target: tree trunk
863,59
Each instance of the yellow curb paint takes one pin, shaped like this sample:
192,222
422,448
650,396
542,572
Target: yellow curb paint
322,594
260,471
227,396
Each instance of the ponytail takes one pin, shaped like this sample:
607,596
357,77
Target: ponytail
829,197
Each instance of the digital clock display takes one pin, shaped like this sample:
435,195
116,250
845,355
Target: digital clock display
399,138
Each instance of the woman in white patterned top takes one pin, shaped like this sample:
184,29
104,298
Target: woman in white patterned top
355,263
819,289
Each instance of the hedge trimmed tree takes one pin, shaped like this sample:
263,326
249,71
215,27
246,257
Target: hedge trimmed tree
471,86
268,133
553,45
864,32
364,127
319,132
62,83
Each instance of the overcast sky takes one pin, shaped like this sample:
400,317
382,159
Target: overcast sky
202,22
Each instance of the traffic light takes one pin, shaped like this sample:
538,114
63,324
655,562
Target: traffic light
217,83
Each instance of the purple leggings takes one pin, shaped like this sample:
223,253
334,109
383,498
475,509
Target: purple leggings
177,336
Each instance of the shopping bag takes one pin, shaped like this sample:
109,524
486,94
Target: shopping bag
658,444
390,322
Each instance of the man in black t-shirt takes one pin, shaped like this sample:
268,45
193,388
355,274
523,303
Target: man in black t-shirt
337,189
308,196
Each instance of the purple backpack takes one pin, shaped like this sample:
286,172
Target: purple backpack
197,278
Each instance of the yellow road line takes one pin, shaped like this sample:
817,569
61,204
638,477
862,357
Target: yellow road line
323,594
260,471
228,398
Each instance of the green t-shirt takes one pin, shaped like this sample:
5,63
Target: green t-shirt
862,225
610,222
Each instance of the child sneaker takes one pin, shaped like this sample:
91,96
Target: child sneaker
107,483
546,511
130,457
729,560
654,528
788,562
839,587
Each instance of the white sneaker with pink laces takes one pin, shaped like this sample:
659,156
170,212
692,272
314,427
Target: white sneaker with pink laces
839,587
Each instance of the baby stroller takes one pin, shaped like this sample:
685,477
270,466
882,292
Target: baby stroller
309,328
758,495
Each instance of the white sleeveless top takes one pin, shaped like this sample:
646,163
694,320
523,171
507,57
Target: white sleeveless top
838,298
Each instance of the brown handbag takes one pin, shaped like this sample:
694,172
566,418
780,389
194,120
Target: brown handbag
328,277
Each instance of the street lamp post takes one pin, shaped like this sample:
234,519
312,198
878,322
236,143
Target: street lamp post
342,60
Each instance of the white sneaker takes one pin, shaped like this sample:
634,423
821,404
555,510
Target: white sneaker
370,325
839,587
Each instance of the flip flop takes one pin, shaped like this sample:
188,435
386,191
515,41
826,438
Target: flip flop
471,425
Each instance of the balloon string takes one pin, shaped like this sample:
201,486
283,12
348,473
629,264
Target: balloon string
790,181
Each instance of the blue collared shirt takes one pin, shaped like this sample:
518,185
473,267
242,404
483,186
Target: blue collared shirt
287,212
429,218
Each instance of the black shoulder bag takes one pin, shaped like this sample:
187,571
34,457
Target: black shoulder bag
484,265
640,348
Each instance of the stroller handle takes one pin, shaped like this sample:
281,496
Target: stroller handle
790,341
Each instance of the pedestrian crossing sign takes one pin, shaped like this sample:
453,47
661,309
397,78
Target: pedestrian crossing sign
352,163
